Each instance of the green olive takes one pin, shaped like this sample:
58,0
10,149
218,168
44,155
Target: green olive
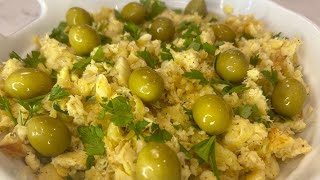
232,65
27,83
158,161
134,12
288,97
223,32
49,136
78,16
163,29
212,114
83,39
146,83
196,6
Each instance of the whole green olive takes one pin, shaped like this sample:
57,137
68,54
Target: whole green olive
162,28
223,32
158,161
232,66
49,136
196,6
212,114
27,83
83,39
78,16
134,12
288,97
146,83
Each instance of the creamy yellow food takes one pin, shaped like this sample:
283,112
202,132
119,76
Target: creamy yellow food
248,145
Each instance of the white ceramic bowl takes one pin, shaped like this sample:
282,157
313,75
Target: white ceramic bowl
276,18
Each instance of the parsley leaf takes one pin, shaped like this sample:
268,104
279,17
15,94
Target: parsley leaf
90,161
153,9
159,135
206,151
189,29
58,92
220,81
15,55
59,33
152,61
185,151
34,59
82,64
92,138
252,113
132,29
271,76
120,111
105,39
165,54
57,108
98,56
188,112
246,111
117,14
139,127
236,89
5,106
32,106
255,60
197,75
210,49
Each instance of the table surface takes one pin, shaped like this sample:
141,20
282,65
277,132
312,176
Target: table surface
15,14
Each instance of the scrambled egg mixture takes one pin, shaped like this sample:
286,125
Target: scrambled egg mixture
109,125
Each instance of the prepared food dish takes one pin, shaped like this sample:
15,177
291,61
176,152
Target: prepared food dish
150,92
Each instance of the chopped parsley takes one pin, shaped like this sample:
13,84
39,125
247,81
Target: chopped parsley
15,55
82,64
98,56
210,49
185,151
60,34
206,151
236,89
133,30
105,39
58,92
154,8
5,106
190,32
56,107
138,127
33,106
188,112
197,75
271,76
252,113
32,60
255,60
92,138
117,14
120,110
90,161
246,111
165,54
158,135
152,61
